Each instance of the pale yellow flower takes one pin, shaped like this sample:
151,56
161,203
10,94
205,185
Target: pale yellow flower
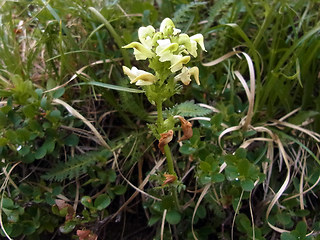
140,51
177,62
186,73
165,49
198,38
167,27
139,77
146,36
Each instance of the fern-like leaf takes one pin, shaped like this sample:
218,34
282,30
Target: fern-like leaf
215,12
189,109
184,16
75,166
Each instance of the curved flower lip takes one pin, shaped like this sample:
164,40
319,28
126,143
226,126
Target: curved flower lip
165,49
194,71
199,39
178,61
140,51
139,77
186,73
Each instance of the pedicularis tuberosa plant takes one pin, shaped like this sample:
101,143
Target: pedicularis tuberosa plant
168,52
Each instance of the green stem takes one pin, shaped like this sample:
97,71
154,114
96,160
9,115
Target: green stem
169,160
168,154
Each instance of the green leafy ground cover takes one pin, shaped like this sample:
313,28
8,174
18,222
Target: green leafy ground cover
78,158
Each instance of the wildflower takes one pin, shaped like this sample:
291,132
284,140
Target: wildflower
140,51
146,36
165,139
186,128
167,27
165,49
198,38
169,179
139,77
186,73
177,62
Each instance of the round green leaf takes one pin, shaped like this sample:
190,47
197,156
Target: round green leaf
58,93
86,201
71,140
102,201
24,150
217,177
40,153
247,185
187,149
119,189
173,217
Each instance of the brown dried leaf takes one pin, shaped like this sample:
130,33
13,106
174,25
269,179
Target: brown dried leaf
169,179
186,128
165,139
61,204
86,235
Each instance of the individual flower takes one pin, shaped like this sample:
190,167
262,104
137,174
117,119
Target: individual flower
165,49
141,52
146,36
186,73
198,38
177,62
185,42
186,128
139,77
167,27
165,138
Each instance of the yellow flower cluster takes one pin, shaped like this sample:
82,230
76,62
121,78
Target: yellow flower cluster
167,44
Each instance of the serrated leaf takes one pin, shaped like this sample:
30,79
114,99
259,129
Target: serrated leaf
189,109
75,166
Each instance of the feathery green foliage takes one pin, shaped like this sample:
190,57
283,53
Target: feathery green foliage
185,14
189,109
75,166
